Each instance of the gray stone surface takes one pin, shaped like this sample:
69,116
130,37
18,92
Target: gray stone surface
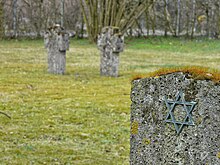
110,43
57,43
155,142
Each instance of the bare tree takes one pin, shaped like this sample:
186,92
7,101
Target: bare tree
175,17
119,13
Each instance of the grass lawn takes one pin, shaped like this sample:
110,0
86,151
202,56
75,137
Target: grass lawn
79,118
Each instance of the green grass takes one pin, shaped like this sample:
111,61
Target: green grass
79,118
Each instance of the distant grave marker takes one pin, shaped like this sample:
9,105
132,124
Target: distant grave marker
57,43
110,43
175,119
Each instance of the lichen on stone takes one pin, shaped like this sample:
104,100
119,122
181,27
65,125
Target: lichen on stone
146,141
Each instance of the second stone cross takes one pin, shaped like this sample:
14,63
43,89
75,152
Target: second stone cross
110,43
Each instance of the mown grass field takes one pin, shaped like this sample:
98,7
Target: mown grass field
79,118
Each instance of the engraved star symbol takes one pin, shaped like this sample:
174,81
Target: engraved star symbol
187,107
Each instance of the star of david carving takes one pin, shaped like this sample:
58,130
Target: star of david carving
187,107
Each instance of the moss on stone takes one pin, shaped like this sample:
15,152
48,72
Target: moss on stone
134,128
218,155
198,73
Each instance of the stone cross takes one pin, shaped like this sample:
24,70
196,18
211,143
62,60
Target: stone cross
57,43
175,119
110,43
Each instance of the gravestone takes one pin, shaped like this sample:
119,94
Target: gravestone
57,43
110,43
175,120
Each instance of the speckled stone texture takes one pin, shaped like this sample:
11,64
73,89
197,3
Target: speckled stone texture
155,142
110,43
57,43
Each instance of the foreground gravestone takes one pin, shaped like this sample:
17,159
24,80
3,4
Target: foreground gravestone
57,43
110,43
175,119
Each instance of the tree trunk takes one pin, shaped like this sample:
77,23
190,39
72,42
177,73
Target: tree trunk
40,20
153,20
218,19
178,17
165,18
1,20
194,13
140,30
82,27
54,15
14,18
187,18
208,19
62,13
147,21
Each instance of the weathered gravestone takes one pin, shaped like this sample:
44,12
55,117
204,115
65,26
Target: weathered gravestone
57,43
175,120
110,43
